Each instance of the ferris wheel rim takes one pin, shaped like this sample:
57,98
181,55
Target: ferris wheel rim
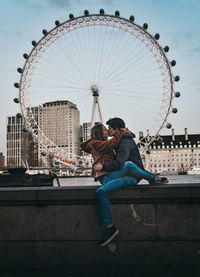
105,16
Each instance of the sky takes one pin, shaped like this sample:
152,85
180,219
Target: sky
177,22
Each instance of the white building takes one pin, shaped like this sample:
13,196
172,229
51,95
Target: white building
176,152
60,122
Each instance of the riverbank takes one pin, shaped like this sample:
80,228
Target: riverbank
58,228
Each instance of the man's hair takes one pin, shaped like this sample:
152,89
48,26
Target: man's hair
97,132
116,123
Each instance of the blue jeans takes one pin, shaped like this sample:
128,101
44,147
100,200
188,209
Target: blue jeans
115,181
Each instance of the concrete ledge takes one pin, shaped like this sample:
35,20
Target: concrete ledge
59,226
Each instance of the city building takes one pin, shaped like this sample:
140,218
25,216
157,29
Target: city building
2,161
15,141
21,148
85,131
60,122
175,153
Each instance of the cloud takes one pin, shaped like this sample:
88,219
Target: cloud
30,4
4,33
60,4
196,50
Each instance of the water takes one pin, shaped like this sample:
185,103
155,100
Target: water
173,179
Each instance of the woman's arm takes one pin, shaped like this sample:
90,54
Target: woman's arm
103,146
84,146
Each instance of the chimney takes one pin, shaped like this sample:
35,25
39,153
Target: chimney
173,135
141,135
186,134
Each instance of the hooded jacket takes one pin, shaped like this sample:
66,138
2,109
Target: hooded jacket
126,150
102,151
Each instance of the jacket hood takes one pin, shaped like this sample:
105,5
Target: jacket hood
129,135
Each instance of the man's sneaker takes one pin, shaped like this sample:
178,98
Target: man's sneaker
109,234
159,180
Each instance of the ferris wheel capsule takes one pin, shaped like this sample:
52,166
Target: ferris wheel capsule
145,26
174,110
16,85
71,16
101,11
19,69
44,31
34,43
86,12
25,56
169,125
157,36
176,78
173,63
166,49
16,100
177,94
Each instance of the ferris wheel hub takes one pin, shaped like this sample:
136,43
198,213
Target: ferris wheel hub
94,90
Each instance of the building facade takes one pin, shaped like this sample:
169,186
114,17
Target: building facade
174,153
2,161
15,142
86,131
21,148
60,122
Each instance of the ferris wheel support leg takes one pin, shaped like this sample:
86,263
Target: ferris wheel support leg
100,111
96,103
93,111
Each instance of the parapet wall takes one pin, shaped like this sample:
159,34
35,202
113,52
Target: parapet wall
60,227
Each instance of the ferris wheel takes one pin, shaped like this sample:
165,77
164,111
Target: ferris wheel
108,66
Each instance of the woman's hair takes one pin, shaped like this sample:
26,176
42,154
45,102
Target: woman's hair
97,132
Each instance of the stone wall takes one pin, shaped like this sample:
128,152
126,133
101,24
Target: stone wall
60,227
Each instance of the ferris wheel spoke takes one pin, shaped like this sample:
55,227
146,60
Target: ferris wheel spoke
133,94
123,69
126,110
143,105
125,60
120,52
123,112
111,47
54,70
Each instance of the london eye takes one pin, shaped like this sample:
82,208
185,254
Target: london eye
108,66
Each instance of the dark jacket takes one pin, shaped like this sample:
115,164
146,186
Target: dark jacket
126,150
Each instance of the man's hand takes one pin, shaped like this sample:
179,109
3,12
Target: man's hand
98,167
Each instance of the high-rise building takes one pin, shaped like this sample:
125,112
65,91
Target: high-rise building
2,161
60,122
20,146
86,131
15,141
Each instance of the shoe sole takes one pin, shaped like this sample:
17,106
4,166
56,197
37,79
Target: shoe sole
162,183
109,240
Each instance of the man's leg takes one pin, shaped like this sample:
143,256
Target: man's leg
133,170
130,169
104,205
